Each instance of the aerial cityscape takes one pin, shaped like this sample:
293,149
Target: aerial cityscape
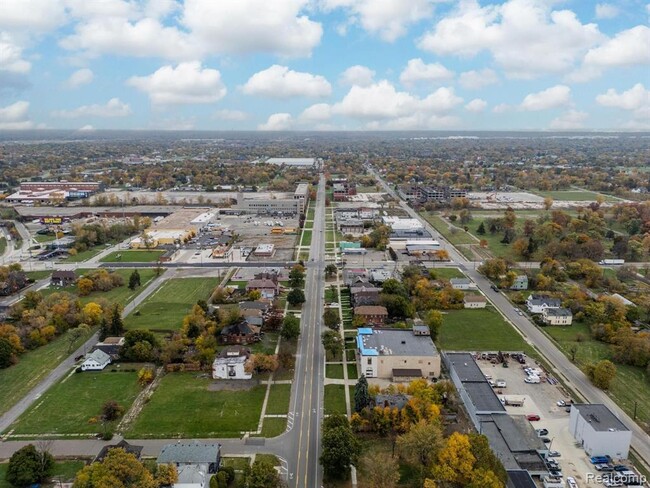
330,244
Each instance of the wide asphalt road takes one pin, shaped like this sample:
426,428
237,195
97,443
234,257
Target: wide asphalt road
563,367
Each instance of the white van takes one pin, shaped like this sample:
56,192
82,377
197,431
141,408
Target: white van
532,379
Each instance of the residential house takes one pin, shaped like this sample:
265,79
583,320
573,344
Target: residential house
538,303
240,333
557,316
397,354
462,284
261,305
192,458
254,321
96,361
268,287
398,400
352,275
129,448
362,295
16,280
251,312
351,227
230,364
380,275
63,278
520,283
474,301
375,315
111,346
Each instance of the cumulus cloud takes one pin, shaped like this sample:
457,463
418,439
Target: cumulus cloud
635,98
317,112
113,108
473,79
279,121
11,56
186,83
80,77
416,70
15,116
357,75
281,82
556,96
606,11
570,120
36,16
389,19
502,108
231,115
525,37
477,105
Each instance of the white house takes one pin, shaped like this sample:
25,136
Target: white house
462,284
96,361
474,301
557,316
538,303
599,431
230,364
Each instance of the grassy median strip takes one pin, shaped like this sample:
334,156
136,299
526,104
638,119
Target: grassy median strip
278,403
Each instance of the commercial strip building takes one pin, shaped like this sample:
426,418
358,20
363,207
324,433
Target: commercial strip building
305,163
280,203
424,194
47,192
175,228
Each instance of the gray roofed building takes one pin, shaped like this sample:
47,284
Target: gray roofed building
599,431
483,397
462,283
520,478
193,453
464,366
600,417
398,400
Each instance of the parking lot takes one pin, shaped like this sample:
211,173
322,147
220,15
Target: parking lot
541,399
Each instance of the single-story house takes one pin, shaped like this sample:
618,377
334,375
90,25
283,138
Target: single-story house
474,301
398,400
96,361
557,316
262,306
269,288
230,364
251,312
63,278
256,321
111,346
240,333
538,303
520,283
362,295
372,314
129,448
462,284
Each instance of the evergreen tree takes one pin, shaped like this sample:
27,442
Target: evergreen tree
481,229
361,395
134,280
28,466
115,324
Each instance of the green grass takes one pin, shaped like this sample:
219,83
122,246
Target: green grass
274,426
269,458
306,238
448,273
237,463
335,399
331,296
132,257
67,407
33,367
38,275
64,471
3,245
84,255
182,405
311,213
278,403
334,371
575,195
442,226
44,238
267,344
630,384
478,330
352,370
238,284
166,307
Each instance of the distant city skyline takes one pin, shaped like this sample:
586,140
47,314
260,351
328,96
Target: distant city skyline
325,65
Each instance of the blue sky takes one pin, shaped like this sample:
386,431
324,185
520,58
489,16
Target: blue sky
325,64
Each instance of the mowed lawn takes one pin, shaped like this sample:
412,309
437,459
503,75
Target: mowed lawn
32,367
67,407
478,330
132,256
575,196
447,273
306,238
278,403
166,307
183,406
455,238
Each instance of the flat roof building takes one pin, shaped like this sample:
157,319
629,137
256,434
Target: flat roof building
295,162
599,431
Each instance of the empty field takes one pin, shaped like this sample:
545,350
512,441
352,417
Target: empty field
335,399
576,196
278,402
132,257
166,307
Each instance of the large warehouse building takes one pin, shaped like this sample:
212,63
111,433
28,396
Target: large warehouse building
600,432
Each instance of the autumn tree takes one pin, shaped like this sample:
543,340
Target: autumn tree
111,410
165,475
433,320
602,373
419,446
92,313
455,461
145,376
84,286
548,203
380,469
119,469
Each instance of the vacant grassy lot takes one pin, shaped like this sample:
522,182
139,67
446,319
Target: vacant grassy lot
352,371
575,196
630,384
274,426
335,399
166,307
183,406
38,275
85,255
306,238
478,330
33,367
448,273
132,257
44,237
334,371
278,403
67,407
64,471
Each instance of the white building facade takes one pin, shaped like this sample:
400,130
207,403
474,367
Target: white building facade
599,431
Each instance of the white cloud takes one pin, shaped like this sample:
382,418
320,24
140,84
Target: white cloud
474,80
317,112
628,47
11,59
525,37
34,16
86,128
80,77
160,8
15,116
357,75
502,108
113,108
247,26
635,98
571,120
83,9
556,96
184,84
416,70
477,105
606,11
389,19
280,121
231,115
281,82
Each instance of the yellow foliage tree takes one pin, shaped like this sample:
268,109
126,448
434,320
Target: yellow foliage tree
92,313
85,286
455,461
118,470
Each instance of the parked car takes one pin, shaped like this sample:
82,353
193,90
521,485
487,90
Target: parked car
532,379
612,483
621,467
546,440
555,472
553,454
571,482
560,403
501,384
605,468
541,432
600,459
532,417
